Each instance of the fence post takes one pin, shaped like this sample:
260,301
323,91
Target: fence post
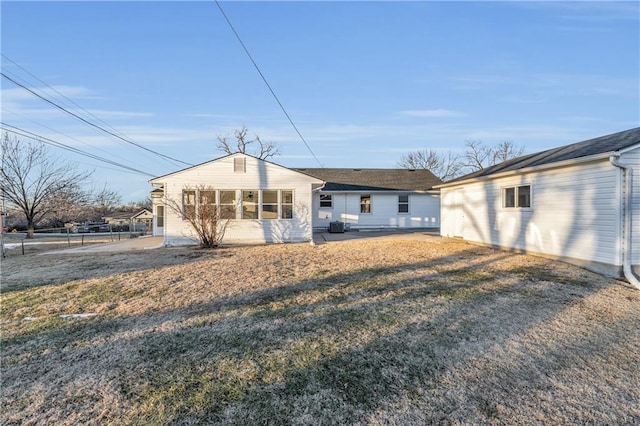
22,241
82,243
68,238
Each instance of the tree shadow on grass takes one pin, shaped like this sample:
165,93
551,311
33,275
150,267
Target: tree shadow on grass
22,273
366,339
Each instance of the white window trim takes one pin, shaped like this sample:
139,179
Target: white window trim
515,187
325,207
370,203
408,203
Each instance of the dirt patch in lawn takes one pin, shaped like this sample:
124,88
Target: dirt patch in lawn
357,332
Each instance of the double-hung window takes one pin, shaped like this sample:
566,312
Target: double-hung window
227,204
516,196
365,204
207,203
269,204
286,204
403,203
188,204
250,204
326,201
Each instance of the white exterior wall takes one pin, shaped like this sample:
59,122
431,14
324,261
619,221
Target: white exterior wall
632,158
424,211
574,214
259,175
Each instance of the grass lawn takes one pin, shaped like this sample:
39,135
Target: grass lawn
357,332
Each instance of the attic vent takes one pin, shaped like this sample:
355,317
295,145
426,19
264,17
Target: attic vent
357,170
412,170
239,165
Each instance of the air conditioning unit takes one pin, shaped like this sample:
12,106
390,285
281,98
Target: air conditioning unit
336,227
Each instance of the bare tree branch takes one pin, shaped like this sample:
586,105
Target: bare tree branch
198,207
446,167
32,179
263,150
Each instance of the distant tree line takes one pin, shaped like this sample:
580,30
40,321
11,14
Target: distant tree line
447,166
42,191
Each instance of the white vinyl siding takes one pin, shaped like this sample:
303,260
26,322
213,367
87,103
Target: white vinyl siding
259,175
424,212
574,214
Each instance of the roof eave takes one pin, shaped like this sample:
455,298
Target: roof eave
555,165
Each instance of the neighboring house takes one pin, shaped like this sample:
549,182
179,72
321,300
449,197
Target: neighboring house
135,221
272,203
376,198
570,203
264,202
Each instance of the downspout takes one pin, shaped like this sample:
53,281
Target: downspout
626,235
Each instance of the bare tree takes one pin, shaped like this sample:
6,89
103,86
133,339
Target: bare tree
446,167
263,149
506,150
198,207
32,178
104,202
477,156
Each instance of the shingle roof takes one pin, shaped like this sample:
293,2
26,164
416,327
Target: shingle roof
601,145
373,179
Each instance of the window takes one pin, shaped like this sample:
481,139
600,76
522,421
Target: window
269,204
517,196
207,203
365,204
249,204
403,203
239,165
509,197
326,201
188,203
287,205
227,204
524,196
159,216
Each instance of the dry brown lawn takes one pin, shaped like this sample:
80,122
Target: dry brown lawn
358,332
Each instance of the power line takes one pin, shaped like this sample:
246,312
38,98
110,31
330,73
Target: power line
65,135
62,95
267,83
90,123
38,138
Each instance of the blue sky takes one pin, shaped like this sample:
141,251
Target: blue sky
365,82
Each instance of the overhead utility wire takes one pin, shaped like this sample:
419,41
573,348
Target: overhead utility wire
62,95
267,83
48,141
65,135
90,123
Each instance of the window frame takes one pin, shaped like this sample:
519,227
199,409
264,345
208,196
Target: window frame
364,205
403,203
185,201
255,204
328,199
160,216
271,204
282,204
515,197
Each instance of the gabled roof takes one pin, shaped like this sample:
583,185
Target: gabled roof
155,179
593,147
373,179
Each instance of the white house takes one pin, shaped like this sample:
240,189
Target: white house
579,203
376,198
267,202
